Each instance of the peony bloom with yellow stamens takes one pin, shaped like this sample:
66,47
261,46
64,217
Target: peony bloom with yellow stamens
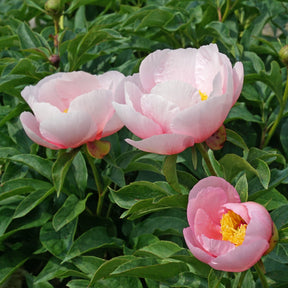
71,109
223,232
179,97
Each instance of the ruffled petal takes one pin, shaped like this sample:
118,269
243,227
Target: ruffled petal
242,257
197,251
110,80
97,104
180,93
260,224
210,199
31,127
151,67
204,225
216,247
138,124
203,119
112,126
213,181
166,144
160,110
70,129
238,78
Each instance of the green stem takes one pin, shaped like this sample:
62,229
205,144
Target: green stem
227,10
170,172
206,158
280,115
98,183
261,275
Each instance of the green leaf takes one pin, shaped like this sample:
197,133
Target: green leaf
10,262
234,164
6,216
129,195
214,279
271,199
42,166
61,167
55,269
240,111
31,201
147,206
108,267
242,188
58,243
159,249
236,139
92,239
71,209
151,268
88,264
27,37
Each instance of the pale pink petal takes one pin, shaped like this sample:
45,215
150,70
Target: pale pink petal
110,80
210,199
207,65
204,225
166,144
159,109
213,181
238,78
203,119
151,67
31,127
239,209
112,126
242,257
261,224
61,89
70,129
133,95
138,124
98,105
216,247
171,91
197,251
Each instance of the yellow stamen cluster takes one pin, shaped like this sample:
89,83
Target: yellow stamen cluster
204,96
233,228
65,111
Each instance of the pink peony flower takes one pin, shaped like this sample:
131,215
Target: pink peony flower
179,97
223,232
71,109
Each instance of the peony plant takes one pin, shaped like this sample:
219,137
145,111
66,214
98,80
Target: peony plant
223,232
70,109
179,97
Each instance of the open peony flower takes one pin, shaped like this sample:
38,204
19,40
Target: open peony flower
72,108
179,97
223,232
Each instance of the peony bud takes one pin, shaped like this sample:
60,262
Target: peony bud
283,54
54,7
54,60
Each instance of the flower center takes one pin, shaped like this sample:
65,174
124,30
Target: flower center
204,96
65,111
233,228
